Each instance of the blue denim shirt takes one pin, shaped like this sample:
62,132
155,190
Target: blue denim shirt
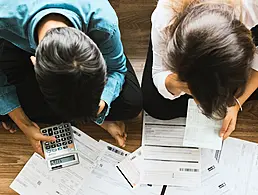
18,21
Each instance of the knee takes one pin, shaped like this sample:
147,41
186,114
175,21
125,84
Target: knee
136,104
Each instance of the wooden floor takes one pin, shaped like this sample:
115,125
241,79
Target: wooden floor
134,16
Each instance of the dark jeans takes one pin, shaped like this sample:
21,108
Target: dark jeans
161,108
16,65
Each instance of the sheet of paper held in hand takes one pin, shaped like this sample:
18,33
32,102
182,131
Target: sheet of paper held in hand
201,131
162,159
35,177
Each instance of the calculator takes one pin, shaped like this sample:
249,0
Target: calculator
62,152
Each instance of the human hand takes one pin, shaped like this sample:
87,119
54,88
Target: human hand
102,105
35,137
229,122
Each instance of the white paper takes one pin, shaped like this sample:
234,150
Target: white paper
173,166
158,132
239,163
130,168
201,131
166,161
213,182
105,179
35,177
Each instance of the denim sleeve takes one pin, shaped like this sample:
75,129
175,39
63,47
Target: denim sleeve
8,97
112,51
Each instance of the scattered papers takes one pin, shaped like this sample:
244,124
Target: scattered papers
201,131
97,166
213,182
35,177
239,163
163,160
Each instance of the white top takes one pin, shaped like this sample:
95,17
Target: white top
161,18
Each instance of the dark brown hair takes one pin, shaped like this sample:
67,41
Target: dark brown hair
211,50
71,73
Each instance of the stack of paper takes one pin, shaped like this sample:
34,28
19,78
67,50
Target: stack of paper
95,175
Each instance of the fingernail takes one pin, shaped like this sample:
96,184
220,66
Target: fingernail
222,135
124,146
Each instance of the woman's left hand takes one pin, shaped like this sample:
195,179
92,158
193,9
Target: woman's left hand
229,123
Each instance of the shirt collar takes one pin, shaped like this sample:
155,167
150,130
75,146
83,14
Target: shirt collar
72,16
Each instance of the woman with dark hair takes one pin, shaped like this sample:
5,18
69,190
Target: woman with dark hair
203,49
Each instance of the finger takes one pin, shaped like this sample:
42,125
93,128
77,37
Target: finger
36,125
41,137
225,126
231,128
39,150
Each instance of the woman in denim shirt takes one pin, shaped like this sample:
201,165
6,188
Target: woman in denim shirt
64,60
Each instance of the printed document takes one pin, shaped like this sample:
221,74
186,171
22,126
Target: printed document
35,177
166,161
201,131
106,179
213,182
239,163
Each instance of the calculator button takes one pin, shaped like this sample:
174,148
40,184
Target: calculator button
58,145
58,140
69,137
56,132
60,148
68,133
45,134
57,136
62,135
65,147
47,143
67,130
64,143
61,131
47,147
50,132
53,146
53,150
55,128
53,142
63,139
61,126
44,131
70,141
48,151
66,125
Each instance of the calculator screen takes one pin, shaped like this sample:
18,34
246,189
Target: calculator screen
62,160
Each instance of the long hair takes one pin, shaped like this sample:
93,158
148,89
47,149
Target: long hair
211,50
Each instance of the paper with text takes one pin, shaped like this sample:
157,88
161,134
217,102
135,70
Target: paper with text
35,177
106,179
201,131
239,163
213,182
